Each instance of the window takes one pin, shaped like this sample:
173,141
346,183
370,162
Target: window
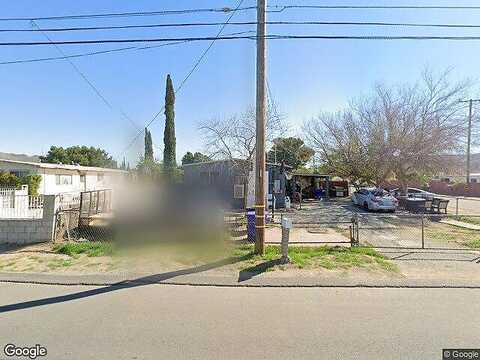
473,181
63,179
19,173
238,180
100,177
238,191
82,179
209,178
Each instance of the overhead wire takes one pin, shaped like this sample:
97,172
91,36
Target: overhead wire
189,74
269,37
226,10
87,80
93,53
281,8
128,14
246,23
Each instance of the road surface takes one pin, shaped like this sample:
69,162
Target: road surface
184,322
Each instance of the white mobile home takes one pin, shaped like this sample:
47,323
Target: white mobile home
59,178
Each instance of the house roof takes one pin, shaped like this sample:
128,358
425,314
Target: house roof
227,160
63,166
311,175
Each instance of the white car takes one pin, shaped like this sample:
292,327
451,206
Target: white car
375,200
414,193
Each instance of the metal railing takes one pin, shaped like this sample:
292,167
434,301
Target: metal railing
21,207
7,191
69,200
95,202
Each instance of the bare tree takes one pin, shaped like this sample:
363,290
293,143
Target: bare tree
400,132
233,138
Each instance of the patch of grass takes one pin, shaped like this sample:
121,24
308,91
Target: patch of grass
59,263
9,264
474,244
470,220
91,249
330,258
450,233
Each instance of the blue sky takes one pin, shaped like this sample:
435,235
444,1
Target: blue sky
47,103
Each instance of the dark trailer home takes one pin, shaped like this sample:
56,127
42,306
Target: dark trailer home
228,180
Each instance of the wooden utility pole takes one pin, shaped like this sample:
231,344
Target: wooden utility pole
260,128
469,134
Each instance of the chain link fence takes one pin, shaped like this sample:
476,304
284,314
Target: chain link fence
419,231
70,227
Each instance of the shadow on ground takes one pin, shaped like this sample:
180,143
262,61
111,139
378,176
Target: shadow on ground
151,279
247,274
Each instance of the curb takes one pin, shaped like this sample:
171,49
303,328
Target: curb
226,281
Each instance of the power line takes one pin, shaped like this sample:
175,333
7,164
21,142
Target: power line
93,53
276,8
128,14
269,37
84,77
245,23
189,74
281,8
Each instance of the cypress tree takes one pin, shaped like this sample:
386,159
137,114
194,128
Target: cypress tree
148,146
169,152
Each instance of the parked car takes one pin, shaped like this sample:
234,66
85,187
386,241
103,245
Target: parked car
414,192
375,200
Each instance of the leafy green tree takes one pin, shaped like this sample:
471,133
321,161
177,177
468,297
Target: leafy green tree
188,158
11,180
150,168
33,182
198,157
292,151
82,155
148,146
169,152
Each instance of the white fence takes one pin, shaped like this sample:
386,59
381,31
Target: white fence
21,207
7,191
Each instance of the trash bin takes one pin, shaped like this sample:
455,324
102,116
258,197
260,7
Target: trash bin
251,225
251,222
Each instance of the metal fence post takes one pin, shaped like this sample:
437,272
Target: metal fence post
354,232
357,240
286,226
423,231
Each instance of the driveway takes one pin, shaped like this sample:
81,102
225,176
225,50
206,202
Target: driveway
331,219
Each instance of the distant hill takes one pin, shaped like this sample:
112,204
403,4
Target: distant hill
19,157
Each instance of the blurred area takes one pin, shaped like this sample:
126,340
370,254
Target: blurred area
150,221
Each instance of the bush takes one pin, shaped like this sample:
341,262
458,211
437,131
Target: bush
33,182
11,180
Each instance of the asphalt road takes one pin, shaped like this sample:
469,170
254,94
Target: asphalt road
183,322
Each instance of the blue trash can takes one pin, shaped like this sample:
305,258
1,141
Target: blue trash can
251,225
